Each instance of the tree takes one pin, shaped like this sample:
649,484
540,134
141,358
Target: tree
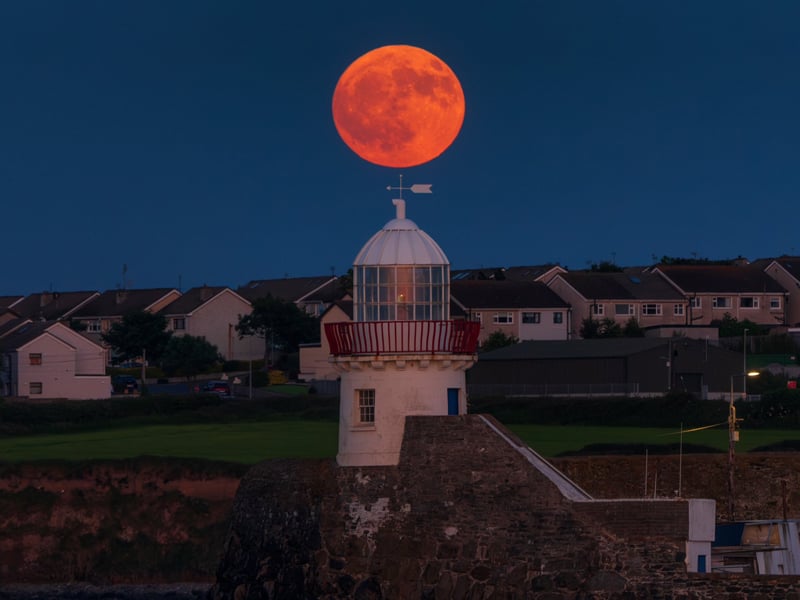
605,328
497,339
189,355
281,323
632,329
139,333
730,326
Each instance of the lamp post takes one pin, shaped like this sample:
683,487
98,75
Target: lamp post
733,437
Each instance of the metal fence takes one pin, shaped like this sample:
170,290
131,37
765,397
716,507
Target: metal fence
563,389
398,337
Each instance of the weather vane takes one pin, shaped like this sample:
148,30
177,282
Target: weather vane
417,188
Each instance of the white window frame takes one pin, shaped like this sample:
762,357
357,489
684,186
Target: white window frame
35,388
753,300
179,323
598,310
476,316
696,302
503,318
94,326
365,407
775,303
531,318
678,310
721,302
35,359
630,312
558,317
651,310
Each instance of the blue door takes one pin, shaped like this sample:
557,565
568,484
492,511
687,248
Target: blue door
701,563
452,401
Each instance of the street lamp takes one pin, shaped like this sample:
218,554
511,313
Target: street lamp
733,437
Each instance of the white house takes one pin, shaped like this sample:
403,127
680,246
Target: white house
50,360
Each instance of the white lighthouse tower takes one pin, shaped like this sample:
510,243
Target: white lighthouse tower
401,355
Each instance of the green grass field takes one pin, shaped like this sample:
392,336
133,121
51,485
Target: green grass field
251,442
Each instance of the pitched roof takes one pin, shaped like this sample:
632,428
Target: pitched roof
114,303
722,279
476,294
594,285
192,299
559,349
790,263
12,325
477,274
531,273
22,335
8,301
291,289
52,305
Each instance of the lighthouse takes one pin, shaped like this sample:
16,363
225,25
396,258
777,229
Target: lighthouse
401,355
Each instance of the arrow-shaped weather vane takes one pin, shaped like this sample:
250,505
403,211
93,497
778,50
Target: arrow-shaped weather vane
417,188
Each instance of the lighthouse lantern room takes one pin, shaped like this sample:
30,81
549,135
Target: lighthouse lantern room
402,354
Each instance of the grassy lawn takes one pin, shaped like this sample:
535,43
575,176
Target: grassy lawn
235,442
251,442
551,440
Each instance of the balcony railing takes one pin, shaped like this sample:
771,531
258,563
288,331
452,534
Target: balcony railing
403,337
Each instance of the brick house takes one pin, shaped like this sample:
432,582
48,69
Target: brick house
527,310
786,271
742,291
647,298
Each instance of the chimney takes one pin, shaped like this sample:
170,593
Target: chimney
45,298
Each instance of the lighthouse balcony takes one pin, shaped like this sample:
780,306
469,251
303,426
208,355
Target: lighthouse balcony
403,337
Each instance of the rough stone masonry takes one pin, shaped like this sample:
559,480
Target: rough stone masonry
462,516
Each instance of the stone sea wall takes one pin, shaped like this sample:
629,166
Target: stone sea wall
462,516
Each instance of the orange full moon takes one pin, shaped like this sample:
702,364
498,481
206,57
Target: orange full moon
398,106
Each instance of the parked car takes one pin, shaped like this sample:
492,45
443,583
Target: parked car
124,384
218,387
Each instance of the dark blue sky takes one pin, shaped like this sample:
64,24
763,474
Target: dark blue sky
193,140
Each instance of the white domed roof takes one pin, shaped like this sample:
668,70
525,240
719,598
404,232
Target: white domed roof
401,242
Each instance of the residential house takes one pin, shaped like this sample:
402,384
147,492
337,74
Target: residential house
527,310
786,271
742,291
49,360
645,297
213,313
312,294
53,306
636,366
109,307
314,358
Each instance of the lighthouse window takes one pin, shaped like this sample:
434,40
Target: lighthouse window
366,406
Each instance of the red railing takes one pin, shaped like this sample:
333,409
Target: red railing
403,337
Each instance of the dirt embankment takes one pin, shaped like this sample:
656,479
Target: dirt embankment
135,521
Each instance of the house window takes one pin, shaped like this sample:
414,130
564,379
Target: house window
531,317
598,309
623,310
748,302
366,407
651,310
677,310
94,327
775,303
477,317
178,323
558,317
720,302
35,388
35,358
503,318
696,302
